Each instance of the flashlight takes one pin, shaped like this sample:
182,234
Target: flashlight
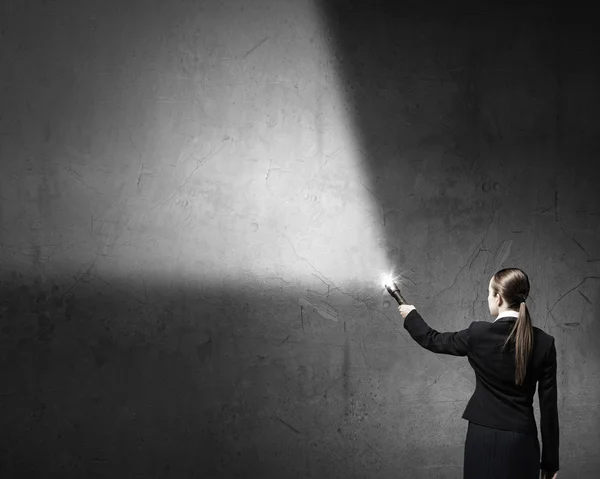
394,291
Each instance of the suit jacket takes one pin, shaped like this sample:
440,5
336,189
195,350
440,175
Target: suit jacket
497,401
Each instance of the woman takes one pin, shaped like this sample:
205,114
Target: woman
509,357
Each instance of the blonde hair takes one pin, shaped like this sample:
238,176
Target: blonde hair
513,285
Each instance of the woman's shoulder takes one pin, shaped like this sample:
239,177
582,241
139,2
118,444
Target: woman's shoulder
539,333
486,325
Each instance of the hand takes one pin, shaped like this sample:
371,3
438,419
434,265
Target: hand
405,309
548,475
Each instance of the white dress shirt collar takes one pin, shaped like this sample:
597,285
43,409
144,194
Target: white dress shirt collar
511,314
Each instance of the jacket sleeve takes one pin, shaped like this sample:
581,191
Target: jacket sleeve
455,343
547,392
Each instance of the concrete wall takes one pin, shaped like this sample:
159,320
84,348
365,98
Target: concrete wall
197,203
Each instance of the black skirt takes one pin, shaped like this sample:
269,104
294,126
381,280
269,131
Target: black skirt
496,454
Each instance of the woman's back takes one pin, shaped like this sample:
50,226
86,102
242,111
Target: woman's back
497,401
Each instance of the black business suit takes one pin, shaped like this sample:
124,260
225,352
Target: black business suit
501,407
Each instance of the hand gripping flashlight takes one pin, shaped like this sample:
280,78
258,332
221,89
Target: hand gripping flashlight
394,291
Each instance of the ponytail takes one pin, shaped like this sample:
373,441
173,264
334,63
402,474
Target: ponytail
512,284
523,338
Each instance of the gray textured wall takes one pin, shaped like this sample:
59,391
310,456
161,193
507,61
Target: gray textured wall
198,199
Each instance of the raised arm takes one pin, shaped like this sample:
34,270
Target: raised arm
455,343
547,392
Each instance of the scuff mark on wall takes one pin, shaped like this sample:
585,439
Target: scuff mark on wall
324,310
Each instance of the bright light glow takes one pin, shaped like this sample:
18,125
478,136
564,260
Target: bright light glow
243,167
387,279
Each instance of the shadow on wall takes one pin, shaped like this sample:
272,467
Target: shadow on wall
464,102
98,382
